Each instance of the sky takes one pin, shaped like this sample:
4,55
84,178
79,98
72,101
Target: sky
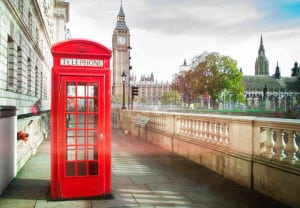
165,32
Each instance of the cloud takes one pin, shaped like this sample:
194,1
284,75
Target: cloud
193,17
164,32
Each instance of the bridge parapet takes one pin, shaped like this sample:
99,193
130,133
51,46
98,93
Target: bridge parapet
259,153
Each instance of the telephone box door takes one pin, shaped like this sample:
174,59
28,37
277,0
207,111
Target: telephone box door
83,136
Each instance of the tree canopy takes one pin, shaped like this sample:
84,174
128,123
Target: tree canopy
210,74
171,97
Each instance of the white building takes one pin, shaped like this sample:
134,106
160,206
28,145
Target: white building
28,29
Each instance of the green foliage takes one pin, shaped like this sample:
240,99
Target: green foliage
171,97
211,73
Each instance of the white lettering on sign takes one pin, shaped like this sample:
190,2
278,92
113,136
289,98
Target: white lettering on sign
81,62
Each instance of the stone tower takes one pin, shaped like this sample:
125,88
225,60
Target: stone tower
261,63
121,56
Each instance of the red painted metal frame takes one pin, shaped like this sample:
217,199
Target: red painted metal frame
62,186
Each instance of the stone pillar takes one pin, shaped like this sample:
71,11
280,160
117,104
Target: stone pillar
8,140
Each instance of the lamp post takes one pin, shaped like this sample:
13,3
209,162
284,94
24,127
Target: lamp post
129,69
123,76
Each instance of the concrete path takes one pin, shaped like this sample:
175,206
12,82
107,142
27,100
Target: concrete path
143,176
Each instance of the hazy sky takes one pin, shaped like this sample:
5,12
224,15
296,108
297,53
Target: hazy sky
165,32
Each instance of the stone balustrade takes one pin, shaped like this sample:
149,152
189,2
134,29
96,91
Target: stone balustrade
259,153
278,142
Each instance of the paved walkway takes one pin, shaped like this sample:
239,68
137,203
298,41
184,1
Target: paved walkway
143,176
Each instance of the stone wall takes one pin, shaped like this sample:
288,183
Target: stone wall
37,127
258,153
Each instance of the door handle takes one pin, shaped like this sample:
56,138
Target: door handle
101,136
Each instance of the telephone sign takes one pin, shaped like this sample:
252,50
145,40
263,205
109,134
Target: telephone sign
80,120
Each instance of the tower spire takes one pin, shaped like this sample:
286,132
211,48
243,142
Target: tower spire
261,46
261,63
121,24
277,72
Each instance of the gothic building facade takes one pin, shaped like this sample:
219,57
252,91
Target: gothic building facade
280,92
150,90
273,82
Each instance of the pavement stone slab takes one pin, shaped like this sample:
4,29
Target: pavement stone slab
63,204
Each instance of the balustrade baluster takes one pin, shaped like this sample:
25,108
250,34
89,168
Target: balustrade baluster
186,126
269,143
205,131
215,132
220,131
191,128
208,132
197,127
291,147
280,145
227,136
179,126
201,129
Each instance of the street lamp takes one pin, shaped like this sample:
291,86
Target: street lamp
123,76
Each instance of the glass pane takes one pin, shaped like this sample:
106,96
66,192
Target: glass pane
81,168
71,105
81,120
81,89
71,154
81,140
71,118
70,137
93,90
92,153
81,133
92,140
81,153
93,168
71,86
92,121
92,134
93,104
70,169
81,105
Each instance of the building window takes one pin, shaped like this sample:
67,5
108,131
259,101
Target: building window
11,65
45,88
22,76
31,80
37,81
37,35
41,85
21,7
30,21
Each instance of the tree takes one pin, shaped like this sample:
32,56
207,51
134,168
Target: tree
171,97
182,83
216,73
212,74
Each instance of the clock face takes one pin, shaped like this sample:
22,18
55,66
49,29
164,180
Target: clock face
122,40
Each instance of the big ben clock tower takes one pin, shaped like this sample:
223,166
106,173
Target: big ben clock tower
120,45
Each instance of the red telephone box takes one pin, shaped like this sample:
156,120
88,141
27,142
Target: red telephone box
80,120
